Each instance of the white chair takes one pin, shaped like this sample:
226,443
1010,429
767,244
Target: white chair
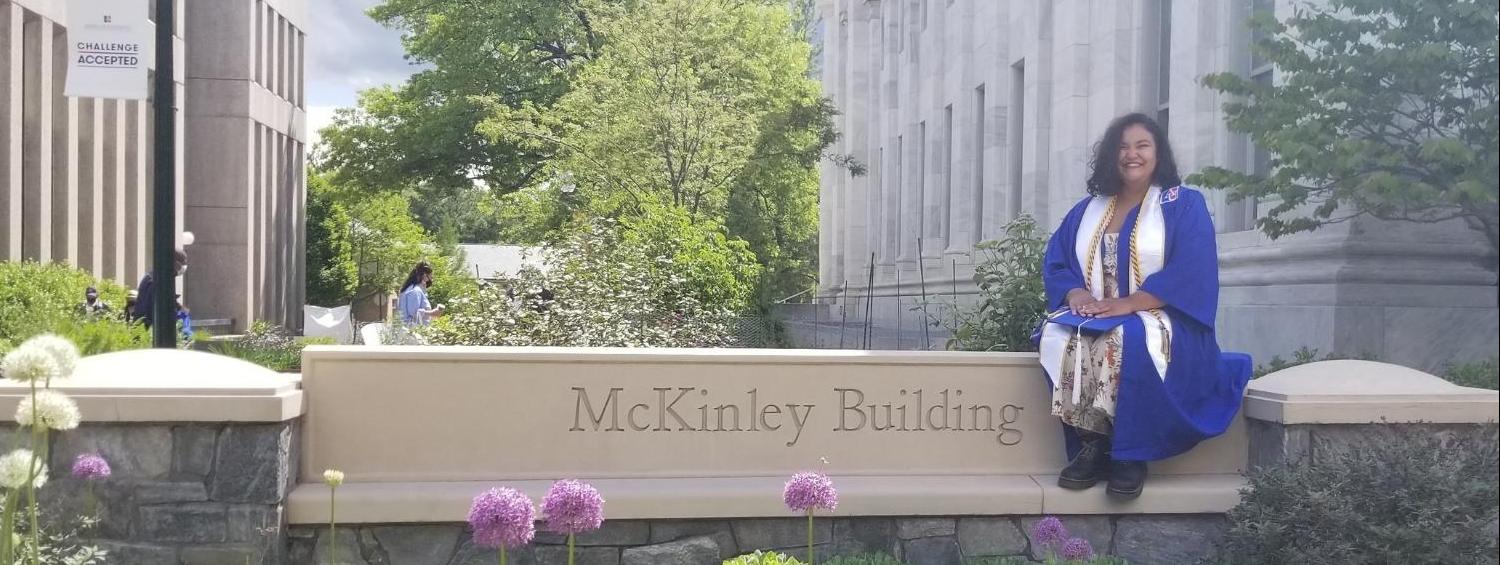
318,321
372,334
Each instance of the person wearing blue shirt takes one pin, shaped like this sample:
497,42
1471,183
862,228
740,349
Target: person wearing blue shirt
412,305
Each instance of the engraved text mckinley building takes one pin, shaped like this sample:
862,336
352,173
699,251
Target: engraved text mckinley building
697,409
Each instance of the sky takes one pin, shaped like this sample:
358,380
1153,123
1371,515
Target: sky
347,52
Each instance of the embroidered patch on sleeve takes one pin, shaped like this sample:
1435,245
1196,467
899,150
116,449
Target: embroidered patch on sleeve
1170,195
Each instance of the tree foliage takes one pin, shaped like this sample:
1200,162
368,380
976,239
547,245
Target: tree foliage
420,138
701,105
332,275
1386,108
1012,298
657,281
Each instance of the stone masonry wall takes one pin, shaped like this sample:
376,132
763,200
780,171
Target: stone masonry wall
190,494
1143,539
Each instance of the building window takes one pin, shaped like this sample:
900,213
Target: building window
1263,74
258,58
945,227
1016,134
977,213
1164,64
921,181
922,5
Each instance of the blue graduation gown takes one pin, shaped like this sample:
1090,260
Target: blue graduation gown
1158,416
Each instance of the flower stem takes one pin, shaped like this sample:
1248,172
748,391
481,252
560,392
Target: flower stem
38,442
502,555
333,538
8,526
810,559
570,549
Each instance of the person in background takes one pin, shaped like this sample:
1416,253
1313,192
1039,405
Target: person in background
184,321
144,297
92,305
413,305
130,300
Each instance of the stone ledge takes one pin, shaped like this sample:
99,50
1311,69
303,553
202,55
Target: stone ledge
664,355
1364,392
156,385
759,497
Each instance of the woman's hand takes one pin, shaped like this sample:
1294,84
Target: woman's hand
1078,298
1111,307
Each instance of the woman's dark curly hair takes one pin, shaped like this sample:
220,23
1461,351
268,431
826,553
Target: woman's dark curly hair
1105,178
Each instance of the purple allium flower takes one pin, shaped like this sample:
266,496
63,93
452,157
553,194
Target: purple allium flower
90,466
502,517
1049,532
809,490
573,507
1077,549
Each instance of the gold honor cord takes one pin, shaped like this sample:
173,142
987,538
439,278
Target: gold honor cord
1135,275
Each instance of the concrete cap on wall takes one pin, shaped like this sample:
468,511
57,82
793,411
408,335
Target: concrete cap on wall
1362,392
170,385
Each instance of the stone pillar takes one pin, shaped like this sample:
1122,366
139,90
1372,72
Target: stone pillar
91,185
65,163
114,191
12,67
1296,414
202,457
36,187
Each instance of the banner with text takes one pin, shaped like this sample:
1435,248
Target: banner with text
109,46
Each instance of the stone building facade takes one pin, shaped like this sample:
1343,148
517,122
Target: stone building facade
76,174
971,113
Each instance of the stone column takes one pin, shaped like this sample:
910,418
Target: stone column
202,457
65,163
1296,414
91,184
37,129
861,72
113,159
12,67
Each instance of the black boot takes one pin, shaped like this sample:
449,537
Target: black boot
1089,466
1127,479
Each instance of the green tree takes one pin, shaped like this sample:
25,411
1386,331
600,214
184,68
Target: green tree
420,139
700,105
1385,108
332,275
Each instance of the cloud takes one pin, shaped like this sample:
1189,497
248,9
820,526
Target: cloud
349,52
317,118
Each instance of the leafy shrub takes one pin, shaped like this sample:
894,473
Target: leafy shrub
1409,497
104,335
269,346
763,558
38,298
1485,374
1302,356
1012,298
608,288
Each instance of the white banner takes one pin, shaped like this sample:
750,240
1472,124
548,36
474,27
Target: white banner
109,48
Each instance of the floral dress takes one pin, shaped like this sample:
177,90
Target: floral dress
1100,378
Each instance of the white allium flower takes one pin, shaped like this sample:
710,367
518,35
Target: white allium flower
16,469
61,349
58,412
30,363
333,477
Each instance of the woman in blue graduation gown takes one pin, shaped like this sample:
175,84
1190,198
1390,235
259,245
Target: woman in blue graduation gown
1140,249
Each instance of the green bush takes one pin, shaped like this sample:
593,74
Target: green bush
269,346
1410,497
1302,356
610,288
1484,374
763,558
37,298
1012,298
